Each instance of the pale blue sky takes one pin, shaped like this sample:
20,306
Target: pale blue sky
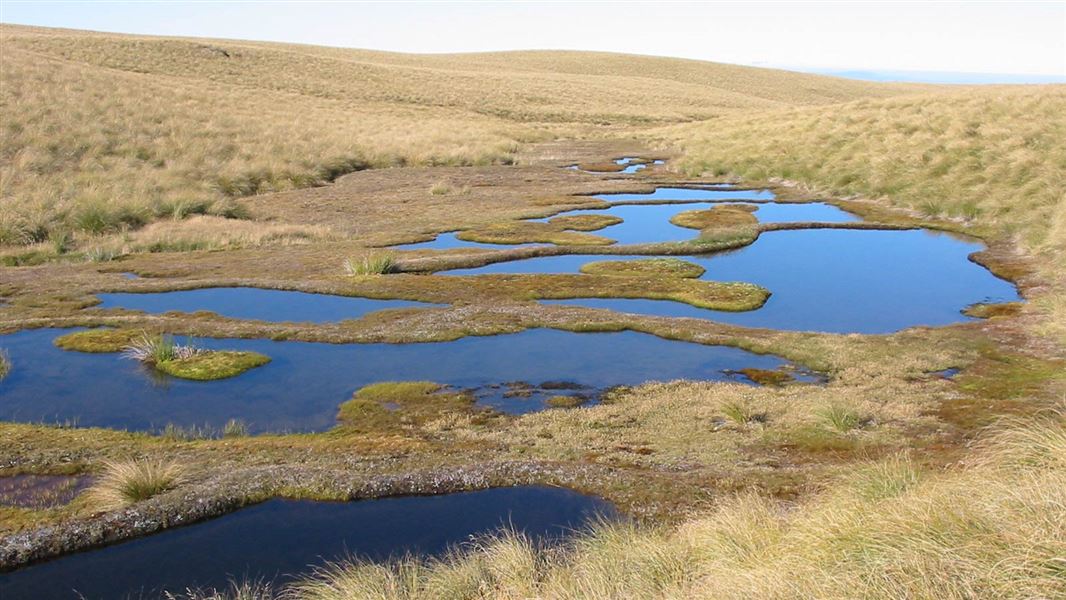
1014,38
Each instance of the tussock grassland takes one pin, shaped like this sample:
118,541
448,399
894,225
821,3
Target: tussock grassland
888,529
105,133
992,156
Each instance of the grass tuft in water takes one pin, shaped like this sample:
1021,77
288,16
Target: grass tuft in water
190,362
5,364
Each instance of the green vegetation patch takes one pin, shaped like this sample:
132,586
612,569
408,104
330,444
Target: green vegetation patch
720,217
565,401
531,232
767,377
394,405
584,222
712,295
663,267
5,364
208,366
988,311
98,340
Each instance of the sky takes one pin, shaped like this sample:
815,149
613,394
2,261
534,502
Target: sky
935,41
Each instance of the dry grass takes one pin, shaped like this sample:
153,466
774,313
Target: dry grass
891,529
994,155
128,482
109,132
991,158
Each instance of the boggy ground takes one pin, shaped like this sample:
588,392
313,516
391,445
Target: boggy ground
658,450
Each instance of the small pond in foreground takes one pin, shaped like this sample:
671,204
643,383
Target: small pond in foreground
834,280
302,386
255,303
280,539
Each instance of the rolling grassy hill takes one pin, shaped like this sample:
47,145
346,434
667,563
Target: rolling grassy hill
109,131
103,132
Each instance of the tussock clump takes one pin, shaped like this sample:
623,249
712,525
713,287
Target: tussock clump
128,482
370,264
158,349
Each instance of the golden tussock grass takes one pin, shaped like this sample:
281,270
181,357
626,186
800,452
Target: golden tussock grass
994,155
108,131
889,529
124,483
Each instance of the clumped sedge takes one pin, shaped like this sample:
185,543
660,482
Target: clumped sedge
158,349
840,417
742,413
371,264
5,364
124,483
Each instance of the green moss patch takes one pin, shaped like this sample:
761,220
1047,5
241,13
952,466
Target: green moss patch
565,401
208,366
394,405
530,232
988,311
767,377
584,222
98,340
719,217
664,267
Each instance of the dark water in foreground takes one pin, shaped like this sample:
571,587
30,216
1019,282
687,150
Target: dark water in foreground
301,388
280,539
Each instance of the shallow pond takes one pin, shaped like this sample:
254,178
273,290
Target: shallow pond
302,386
649,223
255,303
280,539
831,280
715,194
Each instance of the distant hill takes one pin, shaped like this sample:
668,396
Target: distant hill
104,131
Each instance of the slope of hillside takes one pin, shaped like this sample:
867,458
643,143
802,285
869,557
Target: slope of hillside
104,132
994,156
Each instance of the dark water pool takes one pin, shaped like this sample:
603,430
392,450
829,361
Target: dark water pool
301,388
831,280
281,539
255,303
